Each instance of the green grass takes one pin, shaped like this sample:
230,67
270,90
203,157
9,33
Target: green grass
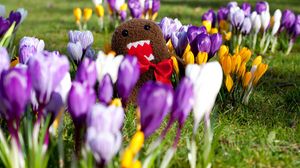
266,133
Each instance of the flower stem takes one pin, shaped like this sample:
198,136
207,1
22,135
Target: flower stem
254,42
267,45
274,44
291,44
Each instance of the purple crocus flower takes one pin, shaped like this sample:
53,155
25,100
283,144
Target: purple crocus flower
85,38
155,6
201,43
238,18
261,7
80,99
155,101
135,8
4,60
29,46
296,29
246,7
232,4
287,20
168,26
222,14
87,72
15,89
216,42
105,90
193,31
14,17
123,15
128,75
179,41
112,4
4,25
210,16
246,27
47,69
76,51
104,131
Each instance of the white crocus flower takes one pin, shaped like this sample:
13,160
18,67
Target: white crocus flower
108,64
97,2
118,4
207,80
277,19
23,13
265,19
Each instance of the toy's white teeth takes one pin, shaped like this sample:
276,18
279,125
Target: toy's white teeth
149,58
135,44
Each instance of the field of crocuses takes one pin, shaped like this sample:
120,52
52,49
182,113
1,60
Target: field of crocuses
149,83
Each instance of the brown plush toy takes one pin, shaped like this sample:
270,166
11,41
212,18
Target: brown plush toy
143,38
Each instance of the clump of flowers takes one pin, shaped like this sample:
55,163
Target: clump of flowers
82,16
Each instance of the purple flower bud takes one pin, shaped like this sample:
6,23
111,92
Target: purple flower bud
210,16
123,15
14,17
75,50
155,6
261,7
103,133
246,7
87,72
80,99
155,101
288,19
216,42
128,75
112,4
168,26
135,8
246,28
47,69
85,38
238,18
193,31
222,14
15,89
4,26
183,101
29,46
201,43
105,90
4,59
179,41
296,28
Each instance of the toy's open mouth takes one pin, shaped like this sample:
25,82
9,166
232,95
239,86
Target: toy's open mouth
141,49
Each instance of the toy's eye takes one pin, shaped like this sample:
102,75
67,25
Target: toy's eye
147,27
125,33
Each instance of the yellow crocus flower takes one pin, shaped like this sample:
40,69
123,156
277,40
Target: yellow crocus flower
257,61
207,25
175,64
245,53
260,71
213,31
137,164
227,36
242,70
247,79
189,58
87,14
77,13
137,142
127,158
170,46
116,102
123,7
228,82
187,49
202,58
223,51
100,10
226,65
223,25
238,61
154,16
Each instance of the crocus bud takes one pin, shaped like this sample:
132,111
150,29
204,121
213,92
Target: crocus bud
168,26
277,20
104,136
47,69
246,28
179,41
80,99
87,14
256,24
28,47
85,38
135,8
246,7
265,19
216,42
128,76
238,18
106,90
155,101
222,14
262,6
15,17
99,10
87,72
4,60
77,14
210,16
4,26
155,6
201,43
288,19
296,29
15,90
75,51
